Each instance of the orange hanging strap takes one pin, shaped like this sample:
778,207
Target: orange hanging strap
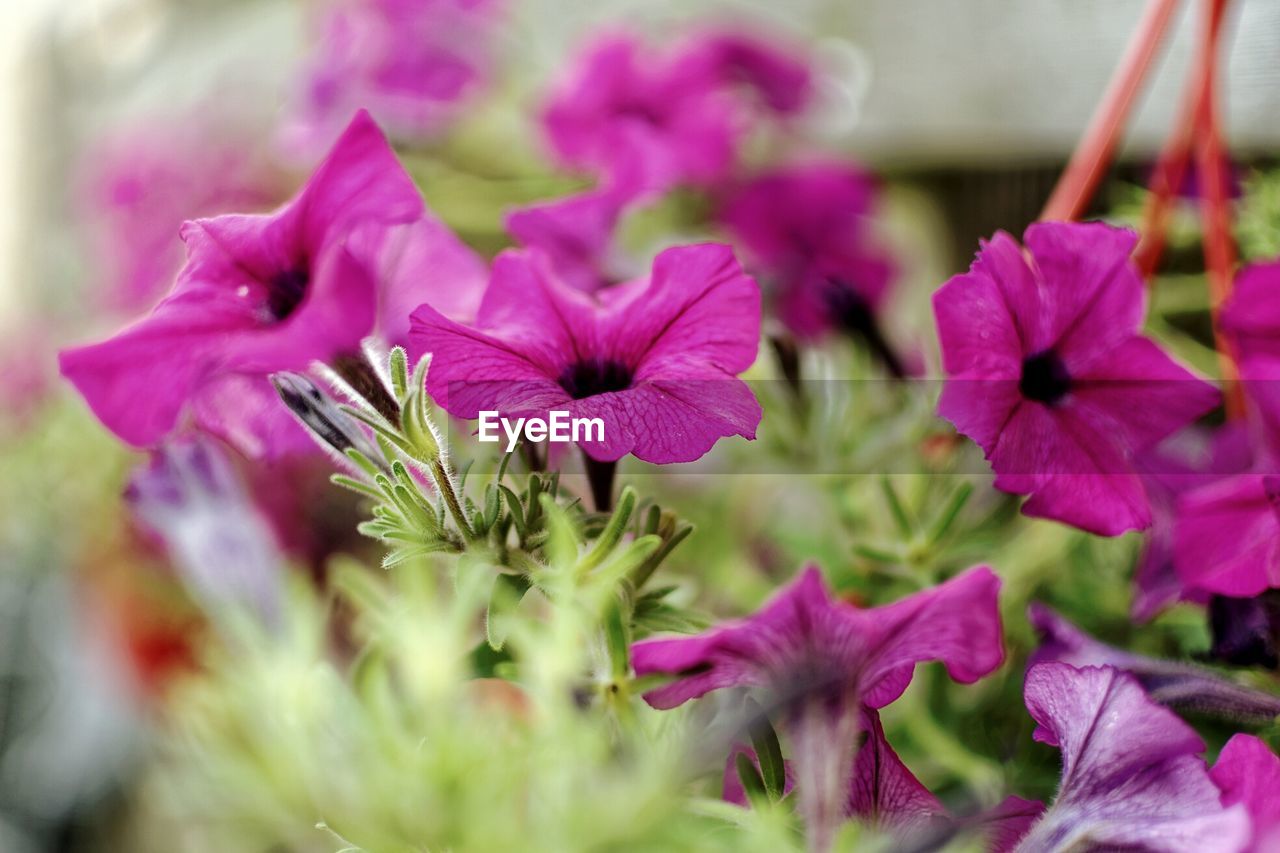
1093,155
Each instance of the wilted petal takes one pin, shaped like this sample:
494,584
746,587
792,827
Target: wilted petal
1132,776
1172,683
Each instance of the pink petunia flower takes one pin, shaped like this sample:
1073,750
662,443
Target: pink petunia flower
1132,775
1250,319
263,293
678,117
1049,373
809,231
412,63
1248,773
1193,460
1228,536
821,661
655,359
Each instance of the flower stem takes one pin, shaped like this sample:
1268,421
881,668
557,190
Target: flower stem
1075,188
444,482
600,476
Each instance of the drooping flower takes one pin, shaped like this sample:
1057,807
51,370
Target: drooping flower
1049,373
1248,773
821,661
1228,536
136,187
884,794
263,293
1132,775
655,359
677,118
1168,473
1179,685
809,231
412,63
221,545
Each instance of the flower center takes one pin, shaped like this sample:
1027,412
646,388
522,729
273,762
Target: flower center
285,292
597,376
849,310
1044,378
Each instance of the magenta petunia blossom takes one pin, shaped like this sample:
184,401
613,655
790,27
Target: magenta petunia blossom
1248,772
1228,536
263,293
1132,775
655,359
675,117
412,63
809,232
1168,473
1251,320
1048,372
821,661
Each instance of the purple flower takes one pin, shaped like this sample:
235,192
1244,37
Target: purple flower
1048,372
677,118
1168,473
412,63
222,546
655,359
1248,773
1132,776
263,293
821,662
1228,536
1172,683
808,230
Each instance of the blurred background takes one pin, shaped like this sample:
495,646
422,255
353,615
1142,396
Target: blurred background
121,118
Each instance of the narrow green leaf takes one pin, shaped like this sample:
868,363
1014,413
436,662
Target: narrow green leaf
896,508
612,532
752,784
398,363
768,751
949,513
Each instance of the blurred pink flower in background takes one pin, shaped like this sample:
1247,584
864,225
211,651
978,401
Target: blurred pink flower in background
656,359
137,186
271,292
1228,536
576,234
677,116
1048,371
809,231
412,63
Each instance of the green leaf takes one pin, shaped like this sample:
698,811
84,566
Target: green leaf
516,510
612,533
896,508
508,591
398,366
617,641
768,751
752,784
